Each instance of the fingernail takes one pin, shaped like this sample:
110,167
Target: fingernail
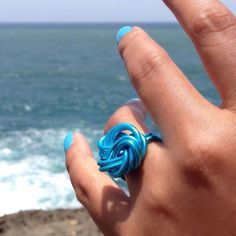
68,141
133,100
122,32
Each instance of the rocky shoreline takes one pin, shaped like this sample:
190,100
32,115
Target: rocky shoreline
48,223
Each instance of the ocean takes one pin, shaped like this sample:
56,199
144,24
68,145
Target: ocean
57,78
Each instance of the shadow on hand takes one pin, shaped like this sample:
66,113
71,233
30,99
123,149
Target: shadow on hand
115,204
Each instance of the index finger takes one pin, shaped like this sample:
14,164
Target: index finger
212,28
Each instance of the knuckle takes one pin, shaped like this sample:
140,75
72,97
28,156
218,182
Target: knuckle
204,157
210,147
149,65
83,188
82,193
128,113
201,148
212,20
86,186
160,202
157,198
119,116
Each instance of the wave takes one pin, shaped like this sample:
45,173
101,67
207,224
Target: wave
32,170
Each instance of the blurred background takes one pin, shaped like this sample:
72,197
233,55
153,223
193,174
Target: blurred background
60,71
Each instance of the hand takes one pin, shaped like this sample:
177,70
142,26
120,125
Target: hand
187,185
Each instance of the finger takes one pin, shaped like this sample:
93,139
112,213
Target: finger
156,167
169,97
212,28
133,112
105,201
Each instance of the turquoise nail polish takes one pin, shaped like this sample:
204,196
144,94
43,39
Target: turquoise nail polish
133,100
122,32
68,141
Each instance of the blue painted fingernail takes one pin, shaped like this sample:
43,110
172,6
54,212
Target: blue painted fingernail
122,32
133,100
68,141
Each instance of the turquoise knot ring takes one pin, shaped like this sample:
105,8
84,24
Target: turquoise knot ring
123,149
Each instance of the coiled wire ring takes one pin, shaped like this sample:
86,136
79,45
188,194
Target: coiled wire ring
123,149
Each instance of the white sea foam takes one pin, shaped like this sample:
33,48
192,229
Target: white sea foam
27,107
23,187
5,151
32,171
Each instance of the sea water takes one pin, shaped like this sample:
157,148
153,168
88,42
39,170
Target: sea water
57,78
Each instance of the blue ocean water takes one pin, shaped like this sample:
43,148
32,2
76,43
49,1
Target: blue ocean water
56,78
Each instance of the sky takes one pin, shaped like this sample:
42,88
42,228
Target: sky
88,10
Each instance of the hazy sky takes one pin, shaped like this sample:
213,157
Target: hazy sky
87,10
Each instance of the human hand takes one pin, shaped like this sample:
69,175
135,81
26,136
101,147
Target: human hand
187,185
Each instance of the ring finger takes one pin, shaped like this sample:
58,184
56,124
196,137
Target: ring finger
133,112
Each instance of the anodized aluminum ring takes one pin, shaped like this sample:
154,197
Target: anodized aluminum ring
123,149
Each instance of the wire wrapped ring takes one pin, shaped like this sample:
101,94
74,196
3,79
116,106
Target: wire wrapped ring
123,149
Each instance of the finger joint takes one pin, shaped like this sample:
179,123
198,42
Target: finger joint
149,66
212,20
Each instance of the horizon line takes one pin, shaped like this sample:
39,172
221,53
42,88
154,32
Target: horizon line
92,22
